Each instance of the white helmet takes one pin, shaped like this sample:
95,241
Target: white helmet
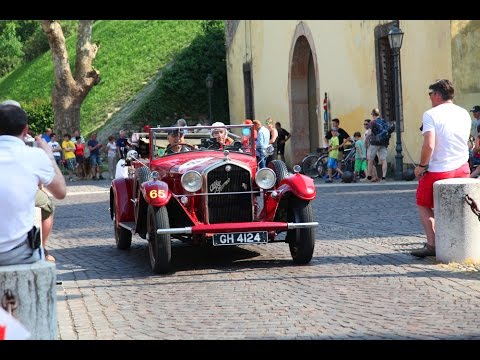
132,154
222,128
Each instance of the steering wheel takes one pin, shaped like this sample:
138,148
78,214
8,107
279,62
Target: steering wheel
169,150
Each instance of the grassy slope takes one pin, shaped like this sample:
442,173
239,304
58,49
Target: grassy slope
130,53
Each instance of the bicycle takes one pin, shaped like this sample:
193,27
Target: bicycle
309,162
347,163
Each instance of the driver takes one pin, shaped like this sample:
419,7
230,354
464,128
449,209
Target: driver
176,141
221,134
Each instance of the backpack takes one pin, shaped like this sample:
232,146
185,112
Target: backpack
381,133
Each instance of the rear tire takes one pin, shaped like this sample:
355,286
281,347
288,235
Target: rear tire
321,166
159,246
300,241
123,237
308,166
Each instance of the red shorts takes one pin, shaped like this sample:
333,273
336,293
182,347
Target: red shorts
425,183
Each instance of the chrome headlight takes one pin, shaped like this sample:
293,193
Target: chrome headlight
192,181
265,178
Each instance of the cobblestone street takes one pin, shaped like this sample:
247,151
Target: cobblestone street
361,283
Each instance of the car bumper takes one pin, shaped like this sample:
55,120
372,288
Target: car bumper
237,227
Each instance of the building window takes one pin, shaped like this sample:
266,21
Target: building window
248,88
385,74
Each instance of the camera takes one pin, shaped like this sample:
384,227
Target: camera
30,141
210,143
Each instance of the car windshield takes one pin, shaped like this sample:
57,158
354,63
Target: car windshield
168,141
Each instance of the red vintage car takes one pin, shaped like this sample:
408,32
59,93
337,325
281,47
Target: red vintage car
209,194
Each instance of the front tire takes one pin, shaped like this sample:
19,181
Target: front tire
159,246
300,241
123,237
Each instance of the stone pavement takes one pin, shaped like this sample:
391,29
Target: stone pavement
360,284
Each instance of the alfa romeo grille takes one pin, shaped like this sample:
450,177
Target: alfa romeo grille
229,207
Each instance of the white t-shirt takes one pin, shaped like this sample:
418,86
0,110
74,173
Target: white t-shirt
451,126
111,150
22,169
55,145
121,170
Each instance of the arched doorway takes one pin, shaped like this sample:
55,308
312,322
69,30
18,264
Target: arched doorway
303,97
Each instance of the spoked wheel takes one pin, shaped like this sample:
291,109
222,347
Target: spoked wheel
308,165
280,170
300,241
159,246
123,237
143,174
321,166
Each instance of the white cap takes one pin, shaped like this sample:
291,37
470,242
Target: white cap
11,102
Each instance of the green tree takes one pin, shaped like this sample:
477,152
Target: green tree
69,89
11,53
181,92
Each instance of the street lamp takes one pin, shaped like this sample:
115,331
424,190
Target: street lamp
395,37
209,84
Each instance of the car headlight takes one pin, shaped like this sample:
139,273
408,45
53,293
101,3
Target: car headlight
265,178
192,181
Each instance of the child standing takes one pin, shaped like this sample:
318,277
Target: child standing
333,145
56,148
80,157
360,156
69,155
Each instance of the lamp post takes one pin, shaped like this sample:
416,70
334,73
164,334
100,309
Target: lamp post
209,84
395,37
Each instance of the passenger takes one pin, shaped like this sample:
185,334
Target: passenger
221,134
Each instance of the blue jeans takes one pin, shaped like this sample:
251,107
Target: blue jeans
95,160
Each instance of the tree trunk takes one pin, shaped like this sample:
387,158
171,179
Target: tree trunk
66,111
69,92
33,286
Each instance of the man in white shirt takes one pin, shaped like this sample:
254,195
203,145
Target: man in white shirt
444,154
24,168
263,138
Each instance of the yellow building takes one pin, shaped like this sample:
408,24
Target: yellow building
283,69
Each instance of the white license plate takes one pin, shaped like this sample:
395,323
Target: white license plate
259,237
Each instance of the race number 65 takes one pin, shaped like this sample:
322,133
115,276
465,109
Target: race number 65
157,193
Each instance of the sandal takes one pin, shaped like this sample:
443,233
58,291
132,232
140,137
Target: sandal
48,257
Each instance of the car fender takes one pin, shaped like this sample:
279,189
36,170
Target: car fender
122,192
297,185
300,185
156,193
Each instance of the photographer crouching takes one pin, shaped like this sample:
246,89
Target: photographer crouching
24,168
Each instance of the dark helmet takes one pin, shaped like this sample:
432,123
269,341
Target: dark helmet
347,176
